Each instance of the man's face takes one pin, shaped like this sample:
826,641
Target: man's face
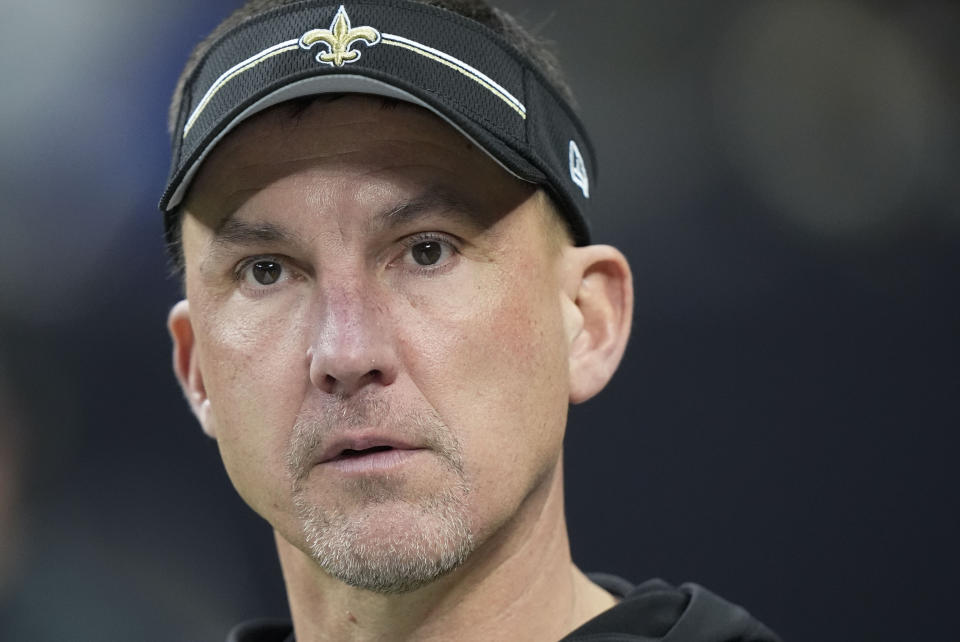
376,309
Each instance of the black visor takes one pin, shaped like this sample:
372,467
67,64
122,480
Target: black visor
453,66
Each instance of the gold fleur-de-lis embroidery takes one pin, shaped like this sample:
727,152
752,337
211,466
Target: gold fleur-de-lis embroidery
338,39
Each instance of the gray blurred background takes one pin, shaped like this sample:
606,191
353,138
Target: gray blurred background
783,177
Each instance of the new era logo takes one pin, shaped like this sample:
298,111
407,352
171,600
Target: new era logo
578,170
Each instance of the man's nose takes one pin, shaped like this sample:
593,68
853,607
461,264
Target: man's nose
353,344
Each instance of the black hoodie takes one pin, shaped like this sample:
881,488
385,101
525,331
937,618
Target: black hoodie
657,611
651,612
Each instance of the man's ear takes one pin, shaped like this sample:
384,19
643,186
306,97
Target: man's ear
598,291
186,365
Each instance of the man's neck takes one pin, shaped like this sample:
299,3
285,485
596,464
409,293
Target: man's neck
519,584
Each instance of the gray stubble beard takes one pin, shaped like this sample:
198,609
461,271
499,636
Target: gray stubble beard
439,537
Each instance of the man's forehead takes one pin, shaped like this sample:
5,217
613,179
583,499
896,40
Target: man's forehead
372,165
264,226
352,137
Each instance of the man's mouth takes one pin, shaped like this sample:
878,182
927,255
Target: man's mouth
350,453
366,454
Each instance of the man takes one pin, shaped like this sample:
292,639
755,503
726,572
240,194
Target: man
391,299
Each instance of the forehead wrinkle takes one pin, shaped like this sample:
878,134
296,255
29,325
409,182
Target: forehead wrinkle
430,202
245,179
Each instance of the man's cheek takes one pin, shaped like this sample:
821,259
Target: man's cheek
494,357
253,432
253,385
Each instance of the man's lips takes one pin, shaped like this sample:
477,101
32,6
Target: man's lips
350,447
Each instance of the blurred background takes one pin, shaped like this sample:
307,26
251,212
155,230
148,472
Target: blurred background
783,177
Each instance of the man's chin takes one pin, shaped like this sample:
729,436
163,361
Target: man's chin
391,545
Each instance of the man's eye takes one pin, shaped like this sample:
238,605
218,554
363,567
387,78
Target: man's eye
264,272
427,252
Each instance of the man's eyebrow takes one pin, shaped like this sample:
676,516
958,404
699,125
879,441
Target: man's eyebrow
232,231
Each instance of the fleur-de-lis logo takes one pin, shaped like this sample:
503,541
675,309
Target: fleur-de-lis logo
338,39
